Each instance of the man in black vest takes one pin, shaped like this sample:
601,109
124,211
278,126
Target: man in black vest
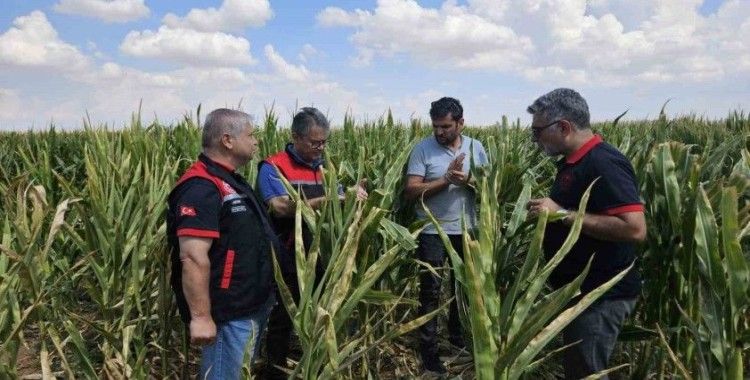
301,164
220,238
613,222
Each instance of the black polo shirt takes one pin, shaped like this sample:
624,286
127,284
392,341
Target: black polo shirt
615,192
211,201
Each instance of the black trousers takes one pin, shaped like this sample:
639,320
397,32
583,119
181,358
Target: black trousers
280,325
280,329
432,251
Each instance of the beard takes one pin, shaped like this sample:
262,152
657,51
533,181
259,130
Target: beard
446,140
549,150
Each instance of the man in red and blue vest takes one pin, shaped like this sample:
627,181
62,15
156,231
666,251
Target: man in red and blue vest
220,238
613,222
301,164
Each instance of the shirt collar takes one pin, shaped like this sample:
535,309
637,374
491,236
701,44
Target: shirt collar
583,150
461,138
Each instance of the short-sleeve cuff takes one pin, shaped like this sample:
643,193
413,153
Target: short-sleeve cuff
635,207
197,232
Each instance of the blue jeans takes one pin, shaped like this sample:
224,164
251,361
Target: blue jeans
234,339
596,329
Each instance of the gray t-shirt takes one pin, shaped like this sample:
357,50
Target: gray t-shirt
430,160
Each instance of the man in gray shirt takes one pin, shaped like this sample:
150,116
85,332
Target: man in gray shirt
438,170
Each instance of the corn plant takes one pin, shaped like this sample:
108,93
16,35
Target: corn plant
90,298
357,244
34,271
511,325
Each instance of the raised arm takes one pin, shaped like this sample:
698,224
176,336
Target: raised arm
416,187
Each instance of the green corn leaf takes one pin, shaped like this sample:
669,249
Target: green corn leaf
556,326
707,244
736,263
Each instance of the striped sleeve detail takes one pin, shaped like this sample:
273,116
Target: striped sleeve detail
197,232
635,207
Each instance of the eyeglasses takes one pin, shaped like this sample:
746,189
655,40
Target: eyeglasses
537,131
316,144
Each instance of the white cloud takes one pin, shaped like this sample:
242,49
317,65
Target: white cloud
107,10
111,92
598,42
308,51
288,85
333,16
295,73
33,43
652,49
189,47
631,13
450,35
233,15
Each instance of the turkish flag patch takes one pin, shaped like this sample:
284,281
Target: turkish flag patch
187,211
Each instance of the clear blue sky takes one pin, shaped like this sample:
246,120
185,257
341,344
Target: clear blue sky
62,58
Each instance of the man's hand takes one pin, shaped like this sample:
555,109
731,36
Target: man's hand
202,330
535,206
360,189
457,177
361,192
455,174
457,163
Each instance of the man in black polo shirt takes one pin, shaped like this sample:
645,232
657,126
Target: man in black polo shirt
612,223
221,239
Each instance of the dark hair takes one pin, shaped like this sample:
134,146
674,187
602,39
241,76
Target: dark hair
562,103
444,106
306,118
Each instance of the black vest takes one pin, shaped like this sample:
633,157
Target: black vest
241,267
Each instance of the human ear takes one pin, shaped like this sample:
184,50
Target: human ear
226,140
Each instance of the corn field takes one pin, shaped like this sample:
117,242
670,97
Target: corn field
84,268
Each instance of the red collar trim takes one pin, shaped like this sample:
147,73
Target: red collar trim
585,148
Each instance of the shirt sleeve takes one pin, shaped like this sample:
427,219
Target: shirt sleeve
197,209
417,164
269,183
616,190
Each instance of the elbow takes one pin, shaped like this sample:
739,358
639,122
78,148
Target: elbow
638,235
409,194
279,212
191,260
282,209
